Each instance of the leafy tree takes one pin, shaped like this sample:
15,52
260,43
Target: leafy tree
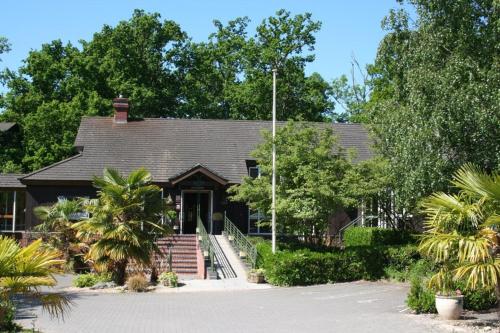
25,270
436,87
123,222
462,231
4,45
57,221
165,74
231,75
136,59
353,96
313,179
279,44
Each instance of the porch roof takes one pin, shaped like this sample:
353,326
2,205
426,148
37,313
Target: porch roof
198,169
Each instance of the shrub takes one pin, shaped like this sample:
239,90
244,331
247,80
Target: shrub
400,262
90,279
478,299
420,298
169,279
305,267
137,282
372,236
7,315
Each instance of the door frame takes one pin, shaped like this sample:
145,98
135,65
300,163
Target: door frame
210,207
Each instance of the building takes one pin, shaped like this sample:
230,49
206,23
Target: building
194,161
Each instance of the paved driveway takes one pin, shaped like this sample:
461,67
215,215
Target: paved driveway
345,307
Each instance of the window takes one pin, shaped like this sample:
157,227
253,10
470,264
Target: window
12,205
254,172
254,223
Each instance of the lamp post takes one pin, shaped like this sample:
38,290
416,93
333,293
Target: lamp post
273,186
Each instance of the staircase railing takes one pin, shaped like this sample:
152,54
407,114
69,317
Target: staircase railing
205,242
242,244
356,221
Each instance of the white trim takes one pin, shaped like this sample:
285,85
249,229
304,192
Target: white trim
210,210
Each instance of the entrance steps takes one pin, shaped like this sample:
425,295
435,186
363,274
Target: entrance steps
184,256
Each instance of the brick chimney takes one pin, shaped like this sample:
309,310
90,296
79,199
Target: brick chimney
120,104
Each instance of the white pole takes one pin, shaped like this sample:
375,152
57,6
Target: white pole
14,208
273,202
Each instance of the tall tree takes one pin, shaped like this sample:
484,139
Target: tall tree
280,43
165,74
316,180
436,92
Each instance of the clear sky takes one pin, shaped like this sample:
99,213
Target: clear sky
349,27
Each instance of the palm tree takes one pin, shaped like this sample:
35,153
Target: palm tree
123,221
57,221
463,231
25,270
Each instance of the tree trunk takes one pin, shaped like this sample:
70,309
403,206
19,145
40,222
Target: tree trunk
120,272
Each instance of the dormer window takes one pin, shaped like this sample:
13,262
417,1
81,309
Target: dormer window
254,172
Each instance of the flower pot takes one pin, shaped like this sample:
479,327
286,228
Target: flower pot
450,307
243,254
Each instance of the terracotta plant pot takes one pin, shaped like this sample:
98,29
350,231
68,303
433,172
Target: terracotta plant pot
450,307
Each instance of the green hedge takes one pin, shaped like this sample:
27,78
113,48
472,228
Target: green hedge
372,236
306,267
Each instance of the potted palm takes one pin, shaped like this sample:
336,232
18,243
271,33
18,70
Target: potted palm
462,236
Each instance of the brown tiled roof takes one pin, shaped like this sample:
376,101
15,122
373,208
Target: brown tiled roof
4,127
169,147
10,180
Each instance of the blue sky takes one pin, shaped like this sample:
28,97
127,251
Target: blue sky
349,27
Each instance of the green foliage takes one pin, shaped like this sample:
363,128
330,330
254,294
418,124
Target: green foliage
477,299
462,231
123,222
90,279
57,222
373,236
137,283
312,182
25,270
420,299
435,91
4,45
165,74
306,267
7,316
169,279
351,96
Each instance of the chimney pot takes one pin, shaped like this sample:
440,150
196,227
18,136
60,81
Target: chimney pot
121,106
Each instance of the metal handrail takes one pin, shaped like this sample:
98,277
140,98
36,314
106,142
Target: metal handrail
240,241
206,243
356,221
